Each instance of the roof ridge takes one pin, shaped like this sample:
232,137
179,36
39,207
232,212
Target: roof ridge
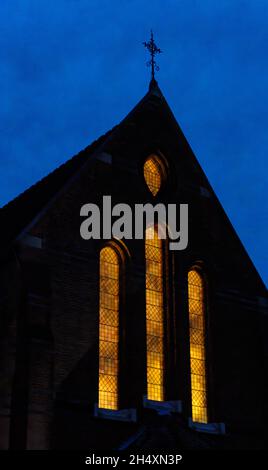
20,211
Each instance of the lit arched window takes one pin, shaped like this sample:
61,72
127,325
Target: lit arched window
153,171
154,315
109,328
196,299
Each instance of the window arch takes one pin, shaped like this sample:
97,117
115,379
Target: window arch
109,283
196,303
154,314
154,173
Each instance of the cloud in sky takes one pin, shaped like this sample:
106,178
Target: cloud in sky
71,69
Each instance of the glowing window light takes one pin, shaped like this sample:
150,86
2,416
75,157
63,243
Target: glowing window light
154,315
152,174
108,329
197,347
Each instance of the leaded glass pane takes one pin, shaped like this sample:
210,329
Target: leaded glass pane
197,346
154,315
108,329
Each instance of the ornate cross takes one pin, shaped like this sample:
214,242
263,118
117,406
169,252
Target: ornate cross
153,49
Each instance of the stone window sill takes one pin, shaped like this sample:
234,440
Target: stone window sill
117,415
211,428
163,407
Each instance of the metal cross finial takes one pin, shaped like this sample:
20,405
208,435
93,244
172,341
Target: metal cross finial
153,49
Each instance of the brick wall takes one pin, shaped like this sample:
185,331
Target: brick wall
59,287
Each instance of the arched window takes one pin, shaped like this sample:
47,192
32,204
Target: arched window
109,328
154,173
196,299
154,315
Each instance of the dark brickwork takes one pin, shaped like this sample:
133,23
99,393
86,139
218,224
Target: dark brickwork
49,307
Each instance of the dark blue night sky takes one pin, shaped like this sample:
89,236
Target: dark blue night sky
72,69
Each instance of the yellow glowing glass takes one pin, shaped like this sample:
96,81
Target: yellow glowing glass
154,315
108,329
197,347
152,174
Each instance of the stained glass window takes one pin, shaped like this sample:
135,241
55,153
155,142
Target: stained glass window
152,174
154,315
108,329
197,346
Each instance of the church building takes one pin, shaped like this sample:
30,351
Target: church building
126,344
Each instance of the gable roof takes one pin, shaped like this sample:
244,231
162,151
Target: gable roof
22,210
